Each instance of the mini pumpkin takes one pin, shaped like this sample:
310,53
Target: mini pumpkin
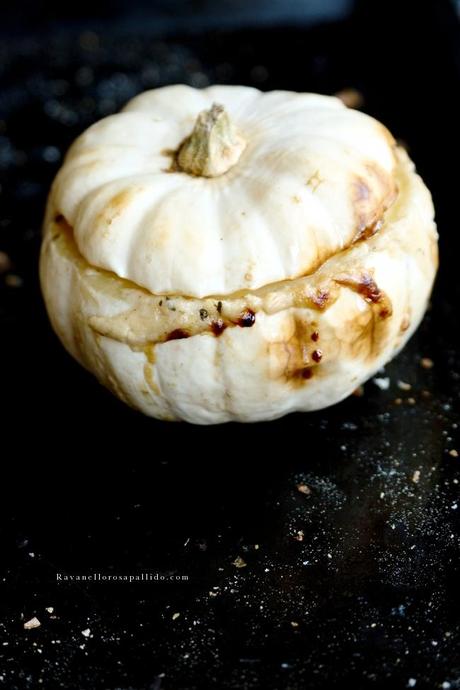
226,254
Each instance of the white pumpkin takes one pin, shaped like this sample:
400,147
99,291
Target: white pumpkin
225,254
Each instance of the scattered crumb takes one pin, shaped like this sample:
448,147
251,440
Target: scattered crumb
32,623
175,616
350,97
402,385
453,453
411,401
426,363
50,609
382,383
304,489
426,394
86,632
239,562
299,535
256,547
12,280
5,262
294,624
416,477
398,401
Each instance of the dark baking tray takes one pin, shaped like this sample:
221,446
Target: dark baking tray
354,583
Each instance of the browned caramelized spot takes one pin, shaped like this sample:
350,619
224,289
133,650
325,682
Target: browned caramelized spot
315,336
115,206
369,230
218,327
364,285
371,198
405,323
291,357
59,218
320,298
177,334
247,319
317,356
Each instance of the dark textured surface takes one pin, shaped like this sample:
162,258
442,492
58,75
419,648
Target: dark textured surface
356,580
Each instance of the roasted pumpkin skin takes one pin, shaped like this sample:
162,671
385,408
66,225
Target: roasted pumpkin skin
223,254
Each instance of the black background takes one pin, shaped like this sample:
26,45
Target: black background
88,485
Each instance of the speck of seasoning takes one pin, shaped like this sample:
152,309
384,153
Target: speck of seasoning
203,314
32,623
426,363
175,616
239,562
304,489
86,632
315,336
160,303
453,453
416,477
13,281
299,535
317,356
5,262
219,306
403,386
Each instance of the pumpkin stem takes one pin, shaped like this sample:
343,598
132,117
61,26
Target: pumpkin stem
213,147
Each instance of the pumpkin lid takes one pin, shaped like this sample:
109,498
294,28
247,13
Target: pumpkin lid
207,192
